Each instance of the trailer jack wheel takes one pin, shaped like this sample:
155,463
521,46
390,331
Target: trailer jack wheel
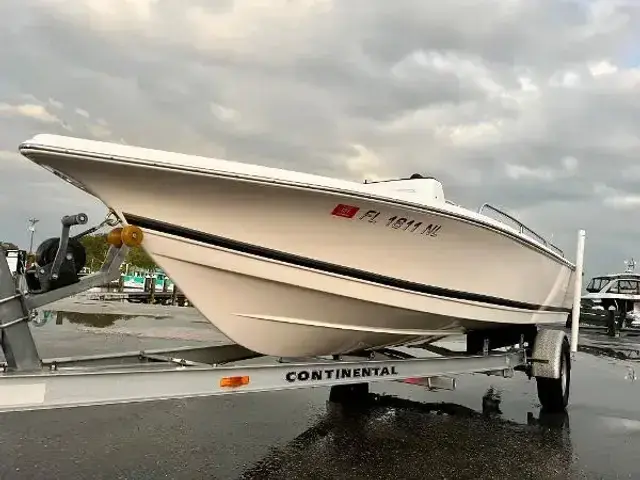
553,393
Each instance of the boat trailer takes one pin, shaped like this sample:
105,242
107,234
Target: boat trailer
28,382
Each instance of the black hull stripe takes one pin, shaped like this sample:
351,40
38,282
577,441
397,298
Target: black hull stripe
300,261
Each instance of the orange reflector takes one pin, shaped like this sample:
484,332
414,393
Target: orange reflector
234,381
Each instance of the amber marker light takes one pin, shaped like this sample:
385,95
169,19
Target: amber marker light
232,382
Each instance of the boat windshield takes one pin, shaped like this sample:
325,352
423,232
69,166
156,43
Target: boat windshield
596,284
628,287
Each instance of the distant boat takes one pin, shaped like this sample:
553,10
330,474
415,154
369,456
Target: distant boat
137,281
620,290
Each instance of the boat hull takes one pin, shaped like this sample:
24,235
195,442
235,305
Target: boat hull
278,309
266,262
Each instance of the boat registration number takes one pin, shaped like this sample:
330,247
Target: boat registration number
405,224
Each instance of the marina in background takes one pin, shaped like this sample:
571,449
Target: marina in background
141,287
133,286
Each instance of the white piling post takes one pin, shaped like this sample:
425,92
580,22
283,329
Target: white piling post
577,291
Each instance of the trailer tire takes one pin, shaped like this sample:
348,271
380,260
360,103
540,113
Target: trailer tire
553,393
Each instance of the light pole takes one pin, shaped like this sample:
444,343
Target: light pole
32,229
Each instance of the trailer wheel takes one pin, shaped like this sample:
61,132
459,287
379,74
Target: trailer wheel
553,393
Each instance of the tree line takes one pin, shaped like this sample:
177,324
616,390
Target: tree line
96,247
8,246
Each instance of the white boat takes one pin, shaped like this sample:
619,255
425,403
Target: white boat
618,290
298,265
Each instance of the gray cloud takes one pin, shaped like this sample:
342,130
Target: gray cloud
531,105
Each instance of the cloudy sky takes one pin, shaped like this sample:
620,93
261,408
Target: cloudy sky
531,105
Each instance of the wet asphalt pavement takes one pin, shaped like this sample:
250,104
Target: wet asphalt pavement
489,428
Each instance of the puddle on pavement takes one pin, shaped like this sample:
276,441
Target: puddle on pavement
95,320
140,324
397,436
393,437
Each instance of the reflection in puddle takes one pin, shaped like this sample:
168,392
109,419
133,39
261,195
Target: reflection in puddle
491,403
95,320
397,438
